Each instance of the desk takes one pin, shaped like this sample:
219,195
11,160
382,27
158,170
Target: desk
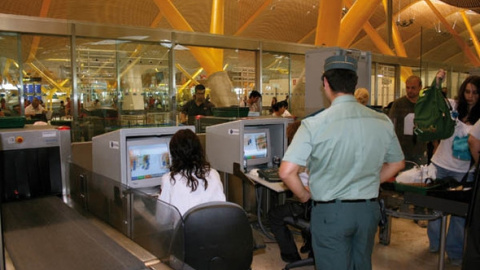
260,183
275,186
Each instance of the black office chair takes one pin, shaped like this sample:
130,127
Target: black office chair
303,225
218,236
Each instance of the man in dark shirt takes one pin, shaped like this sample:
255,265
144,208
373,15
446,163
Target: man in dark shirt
402,114
197,106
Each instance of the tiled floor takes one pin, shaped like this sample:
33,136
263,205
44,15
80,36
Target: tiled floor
408,249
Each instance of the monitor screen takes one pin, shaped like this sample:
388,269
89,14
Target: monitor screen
256,146
148,159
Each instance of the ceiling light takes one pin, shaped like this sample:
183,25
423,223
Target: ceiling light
405,23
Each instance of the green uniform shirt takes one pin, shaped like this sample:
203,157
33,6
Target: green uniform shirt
345,147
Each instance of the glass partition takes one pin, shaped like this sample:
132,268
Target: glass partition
297,79
10,86
384,82
143,91
275,79
46,72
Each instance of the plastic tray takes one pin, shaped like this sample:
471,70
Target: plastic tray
419,188
12,122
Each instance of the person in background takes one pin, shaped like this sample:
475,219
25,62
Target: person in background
197,106
293,208
280,109
243,101
191,181
62,108
253,101
3,107
274,101
68,107
402,114
448,164
362,96
96,104
17,111
345,212
34,108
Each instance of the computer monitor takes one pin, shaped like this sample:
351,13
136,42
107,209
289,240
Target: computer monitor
147,160
256,146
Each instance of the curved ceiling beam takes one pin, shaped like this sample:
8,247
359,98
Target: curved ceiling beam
381,45
217,27
470,31
397,39
36,39
178,22
358,15
307,35
329,13
156,20
217,17
253,17
473,59
383,24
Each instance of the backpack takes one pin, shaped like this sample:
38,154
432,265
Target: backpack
433,120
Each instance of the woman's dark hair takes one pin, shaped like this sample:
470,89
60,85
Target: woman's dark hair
188,158
341,80
474,114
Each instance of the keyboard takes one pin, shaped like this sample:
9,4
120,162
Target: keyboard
269,174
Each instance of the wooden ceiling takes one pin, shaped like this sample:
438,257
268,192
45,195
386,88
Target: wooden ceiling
295,21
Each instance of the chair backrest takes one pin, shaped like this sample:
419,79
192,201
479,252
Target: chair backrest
218,236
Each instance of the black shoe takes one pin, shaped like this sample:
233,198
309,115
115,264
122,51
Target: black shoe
288,258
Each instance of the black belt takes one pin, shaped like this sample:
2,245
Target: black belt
345,201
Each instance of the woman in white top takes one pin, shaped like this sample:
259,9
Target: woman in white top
280,109
451,164
190,181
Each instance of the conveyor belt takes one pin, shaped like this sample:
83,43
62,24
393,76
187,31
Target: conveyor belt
45,233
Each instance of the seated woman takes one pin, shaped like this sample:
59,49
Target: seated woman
191,181
280,109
